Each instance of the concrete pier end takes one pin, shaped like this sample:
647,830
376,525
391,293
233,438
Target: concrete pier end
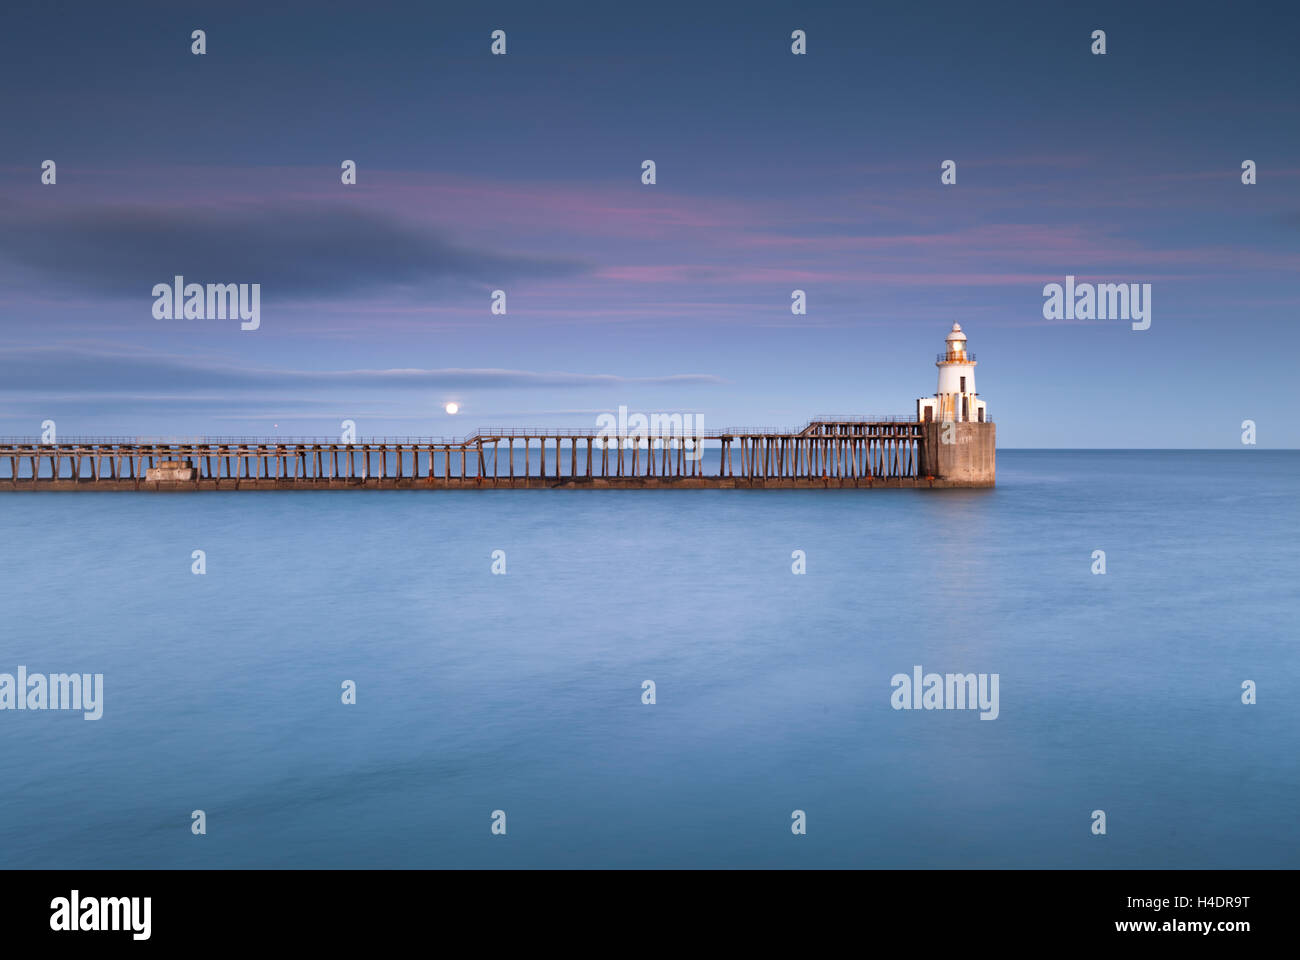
961,454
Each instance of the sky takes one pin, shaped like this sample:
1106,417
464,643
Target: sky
523,173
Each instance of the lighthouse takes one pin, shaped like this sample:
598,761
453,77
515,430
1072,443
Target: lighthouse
956,398
958,437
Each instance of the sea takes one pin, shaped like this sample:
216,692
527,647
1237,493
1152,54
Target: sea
667,679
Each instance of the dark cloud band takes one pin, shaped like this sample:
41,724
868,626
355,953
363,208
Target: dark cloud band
122,251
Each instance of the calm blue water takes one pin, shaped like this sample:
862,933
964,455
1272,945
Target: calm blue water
523,692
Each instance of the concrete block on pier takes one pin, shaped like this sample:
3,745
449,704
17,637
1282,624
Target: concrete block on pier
963,454
169,471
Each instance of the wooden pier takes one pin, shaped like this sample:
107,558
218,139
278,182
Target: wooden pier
826,453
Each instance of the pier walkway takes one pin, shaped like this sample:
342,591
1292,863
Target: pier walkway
827,452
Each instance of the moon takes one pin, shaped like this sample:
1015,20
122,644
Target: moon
452,408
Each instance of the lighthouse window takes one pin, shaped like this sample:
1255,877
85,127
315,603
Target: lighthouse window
963,384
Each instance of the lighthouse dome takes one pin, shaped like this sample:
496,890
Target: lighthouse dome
956,334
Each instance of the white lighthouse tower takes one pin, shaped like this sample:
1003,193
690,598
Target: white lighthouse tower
955,399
